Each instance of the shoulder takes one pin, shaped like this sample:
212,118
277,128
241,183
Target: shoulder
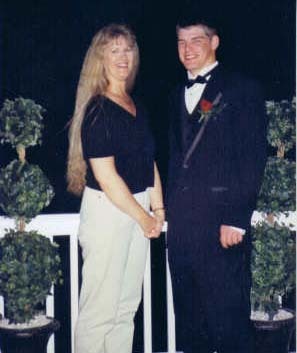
240,87
174,96
93,108
97,105
240,81
98,109
98,116
176,91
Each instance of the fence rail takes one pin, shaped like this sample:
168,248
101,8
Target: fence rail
67,225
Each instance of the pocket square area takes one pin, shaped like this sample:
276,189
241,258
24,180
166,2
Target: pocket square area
219,188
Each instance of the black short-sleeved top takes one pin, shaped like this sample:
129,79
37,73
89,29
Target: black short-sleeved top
110,130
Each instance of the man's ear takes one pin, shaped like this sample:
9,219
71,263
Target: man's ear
215,42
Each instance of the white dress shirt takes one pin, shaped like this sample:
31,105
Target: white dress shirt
192,97
194,93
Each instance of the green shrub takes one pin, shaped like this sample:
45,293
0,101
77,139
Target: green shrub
273,255
29,264
278,189
24,190
281,129
21,122
273,266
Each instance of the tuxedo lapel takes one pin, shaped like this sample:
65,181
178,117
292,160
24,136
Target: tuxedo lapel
212,89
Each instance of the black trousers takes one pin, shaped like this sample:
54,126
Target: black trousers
211,288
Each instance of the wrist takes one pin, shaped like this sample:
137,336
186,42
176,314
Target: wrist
158,209
159,214
141,215
160,218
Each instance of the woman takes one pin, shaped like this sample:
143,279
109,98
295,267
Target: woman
111,161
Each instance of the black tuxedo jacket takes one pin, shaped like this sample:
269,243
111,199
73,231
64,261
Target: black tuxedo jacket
226,167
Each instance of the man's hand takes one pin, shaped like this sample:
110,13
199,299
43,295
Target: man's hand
160,217
229,236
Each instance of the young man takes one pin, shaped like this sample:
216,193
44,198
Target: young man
217,158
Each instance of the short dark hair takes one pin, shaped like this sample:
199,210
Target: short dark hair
192,17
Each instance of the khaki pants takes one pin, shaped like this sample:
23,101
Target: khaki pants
114,253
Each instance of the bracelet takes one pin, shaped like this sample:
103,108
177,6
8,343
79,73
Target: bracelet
158,209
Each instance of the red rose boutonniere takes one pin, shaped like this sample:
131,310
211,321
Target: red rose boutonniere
205,105
211,109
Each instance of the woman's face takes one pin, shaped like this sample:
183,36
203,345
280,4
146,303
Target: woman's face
119,56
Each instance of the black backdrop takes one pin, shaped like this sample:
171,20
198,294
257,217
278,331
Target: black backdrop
42,45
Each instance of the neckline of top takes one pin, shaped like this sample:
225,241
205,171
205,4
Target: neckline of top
121,107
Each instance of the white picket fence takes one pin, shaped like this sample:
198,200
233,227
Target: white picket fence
67,224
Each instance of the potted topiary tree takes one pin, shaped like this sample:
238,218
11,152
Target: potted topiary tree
273,256
29,262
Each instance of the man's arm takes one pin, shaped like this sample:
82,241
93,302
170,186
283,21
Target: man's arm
156,199
250,141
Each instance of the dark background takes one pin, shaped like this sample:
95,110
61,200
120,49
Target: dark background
42,46
43,43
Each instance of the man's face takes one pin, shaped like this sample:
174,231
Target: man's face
195,48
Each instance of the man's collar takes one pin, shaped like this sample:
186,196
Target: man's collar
203,71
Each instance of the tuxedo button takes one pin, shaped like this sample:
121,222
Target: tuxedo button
185,188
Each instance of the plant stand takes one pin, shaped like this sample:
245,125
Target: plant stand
29,340
274,336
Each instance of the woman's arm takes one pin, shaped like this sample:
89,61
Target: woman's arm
119,194
156,198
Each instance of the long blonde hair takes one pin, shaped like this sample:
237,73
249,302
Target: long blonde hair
93,81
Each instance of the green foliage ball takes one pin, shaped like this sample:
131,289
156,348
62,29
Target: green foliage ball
24,190
29,264
273,265
278,188
281,128
21,122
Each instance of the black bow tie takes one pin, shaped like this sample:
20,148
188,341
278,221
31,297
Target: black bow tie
198,79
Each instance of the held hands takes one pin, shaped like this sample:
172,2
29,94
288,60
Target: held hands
229,236
151,226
